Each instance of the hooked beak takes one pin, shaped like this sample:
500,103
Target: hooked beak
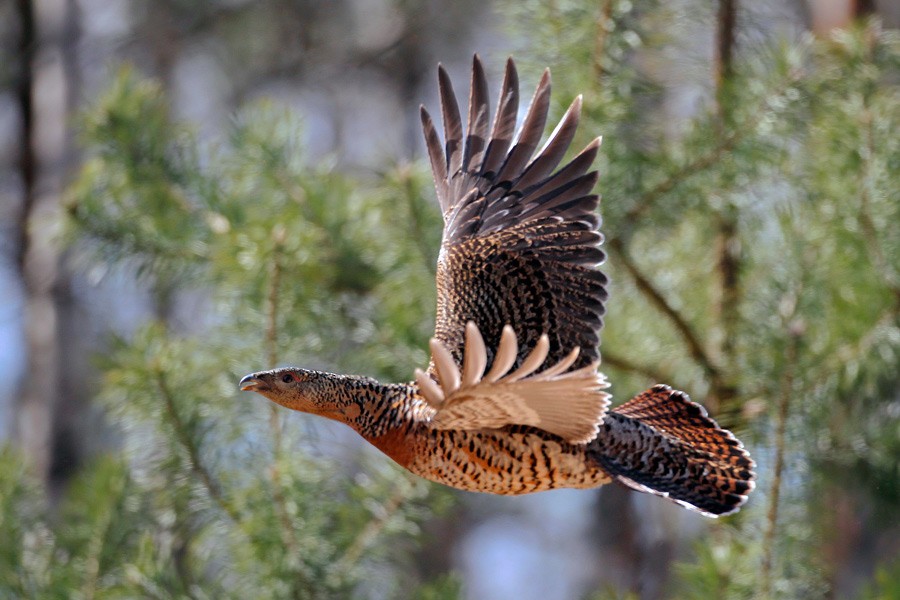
250,383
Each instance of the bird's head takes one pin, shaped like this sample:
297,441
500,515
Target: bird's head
307,391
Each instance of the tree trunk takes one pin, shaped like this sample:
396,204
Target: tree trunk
43,98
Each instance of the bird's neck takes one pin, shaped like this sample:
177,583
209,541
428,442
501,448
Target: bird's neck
388,414
378,408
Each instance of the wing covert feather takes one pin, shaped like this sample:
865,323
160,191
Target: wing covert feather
570,404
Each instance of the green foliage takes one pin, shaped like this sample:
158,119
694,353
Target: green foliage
448,587
23,560
724,567
753,256
886,585
215,497
611,593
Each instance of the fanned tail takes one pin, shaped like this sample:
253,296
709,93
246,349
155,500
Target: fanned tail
662,443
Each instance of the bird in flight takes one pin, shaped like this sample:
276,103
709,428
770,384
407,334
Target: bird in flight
512,401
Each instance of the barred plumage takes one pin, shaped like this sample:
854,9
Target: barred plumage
512,402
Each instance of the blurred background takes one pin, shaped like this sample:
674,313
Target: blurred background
193,190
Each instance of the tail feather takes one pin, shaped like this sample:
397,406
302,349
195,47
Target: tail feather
662,443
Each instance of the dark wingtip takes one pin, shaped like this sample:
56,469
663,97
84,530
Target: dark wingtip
445,84
512,71
477,65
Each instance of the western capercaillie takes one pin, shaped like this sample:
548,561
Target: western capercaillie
512,401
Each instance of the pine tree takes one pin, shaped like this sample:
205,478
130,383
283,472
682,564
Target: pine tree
214,496
752,247
753,256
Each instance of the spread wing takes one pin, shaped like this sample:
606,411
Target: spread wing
521,242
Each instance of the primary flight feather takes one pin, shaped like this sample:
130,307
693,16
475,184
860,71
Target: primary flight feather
512,401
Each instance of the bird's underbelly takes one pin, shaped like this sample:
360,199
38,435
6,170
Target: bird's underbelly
514,460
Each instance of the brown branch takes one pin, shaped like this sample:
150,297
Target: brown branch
610,359
727,246
649,198
271,342
181,559
728,266
193,452
726,21
288,532
656,298
603,20
727,140
795,330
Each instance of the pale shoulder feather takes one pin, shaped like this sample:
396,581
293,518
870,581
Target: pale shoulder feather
567,403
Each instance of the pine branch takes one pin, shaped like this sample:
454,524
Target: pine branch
726,22
795,331
188,445
856,350
648,199
288,532
870,231
129,242
727,238
728,266
727,142
657,299
602,34
94,553
180,559
271,342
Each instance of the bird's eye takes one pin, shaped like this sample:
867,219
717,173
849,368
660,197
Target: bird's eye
287,378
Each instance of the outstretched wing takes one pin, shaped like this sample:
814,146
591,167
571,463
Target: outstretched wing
521,243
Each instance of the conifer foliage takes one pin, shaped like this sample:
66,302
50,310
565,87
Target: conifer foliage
753,258
214,496
753,252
